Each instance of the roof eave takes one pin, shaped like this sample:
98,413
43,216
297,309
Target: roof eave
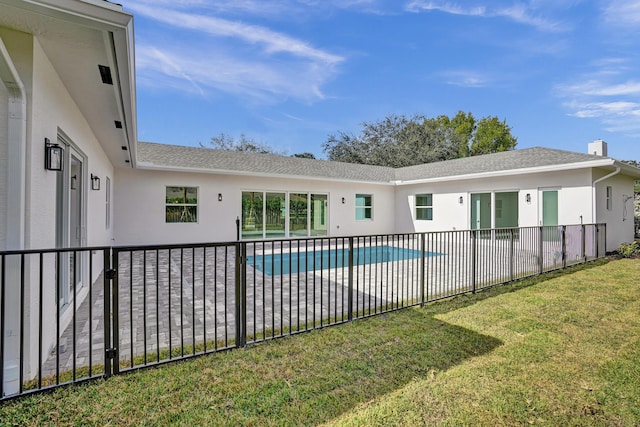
150,166
628,169
511,172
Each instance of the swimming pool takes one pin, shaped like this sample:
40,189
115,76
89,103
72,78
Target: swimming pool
300,262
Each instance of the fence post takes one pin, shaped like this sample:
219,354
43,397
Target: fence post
511,254
583,242
240,279
110,319
422,268
541,250
564,246
597,226
350,296
474,251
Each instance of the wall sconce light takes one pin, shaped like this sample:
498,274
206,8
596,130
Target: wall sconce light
461,200
52,156
219,197
528,198
343,200
95,182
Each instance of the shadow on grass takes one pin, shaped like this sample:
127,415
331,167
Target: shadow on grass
300,380
461,301
313,378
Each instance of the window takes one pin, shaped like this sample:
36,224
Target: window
298,214
506,209
424,207
274,215
609,198
181,204
364,207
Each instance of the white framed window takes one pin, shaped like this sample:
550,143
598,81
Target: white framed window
364,207
181,204
424,207
609,197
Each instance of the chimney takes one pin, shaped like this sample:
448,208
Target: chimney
598,148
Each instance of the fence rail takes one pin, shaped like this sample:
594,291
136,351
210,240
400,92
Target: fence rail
71,315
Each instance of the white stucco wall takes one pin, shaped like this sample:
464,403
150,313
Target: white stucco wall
54,110
4,129
573,187
50,109
19,47
140,205
619,222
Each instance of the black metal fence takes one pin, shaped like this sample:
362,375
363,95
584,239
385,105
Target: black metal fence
70,315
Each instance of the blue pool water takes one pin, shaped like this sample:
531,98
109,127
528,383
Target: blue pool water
300,262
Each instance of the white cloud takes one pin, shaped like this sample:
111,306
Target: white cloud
465,78
273,41
277,9
185,70
623,13
606,94
446,7
254,61
604,109
522,13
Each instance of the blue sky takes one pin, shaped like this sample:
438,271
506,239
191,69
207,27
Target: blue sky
291,72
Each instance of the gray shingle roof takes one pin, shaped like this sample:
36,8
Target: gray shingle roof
204,159
151,155
503,161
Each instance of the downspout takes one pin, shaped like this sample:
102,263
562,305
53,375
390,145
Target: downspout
16,166
593,192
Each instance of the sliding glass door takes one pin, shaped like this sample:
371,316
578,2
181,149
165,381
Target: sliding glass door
275,215
319,215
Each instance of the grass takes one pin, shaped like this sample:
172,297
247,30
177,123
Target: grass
563,349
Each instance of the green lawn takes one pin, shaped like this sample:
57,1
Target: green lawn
559,350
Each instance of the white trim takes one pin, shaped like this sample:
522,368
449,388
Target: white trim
492,174
149,166
594,217
83,12
16,155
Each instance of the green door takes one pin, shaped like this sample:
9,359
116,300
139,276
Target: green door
550,214
480,211
550,207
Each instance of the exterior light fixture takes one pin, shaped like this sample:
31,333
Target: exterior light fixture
461,200
95,182
219,197
343,200
52,156
528,198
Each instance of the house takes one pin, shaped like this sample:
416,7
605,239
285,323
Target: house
195,195
67,97
72,174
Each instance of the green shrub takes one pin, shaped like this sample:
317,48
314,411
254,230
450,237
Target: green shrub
629,250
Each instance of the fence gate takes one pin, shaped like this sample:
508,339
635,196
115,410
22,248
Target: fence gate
172,302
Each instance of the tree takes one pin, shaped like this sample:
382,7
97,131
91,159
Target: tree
243,144
305,155
398,141
492,136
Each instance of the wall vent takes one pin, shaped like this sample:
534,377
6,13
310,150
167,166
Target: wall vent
105,74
